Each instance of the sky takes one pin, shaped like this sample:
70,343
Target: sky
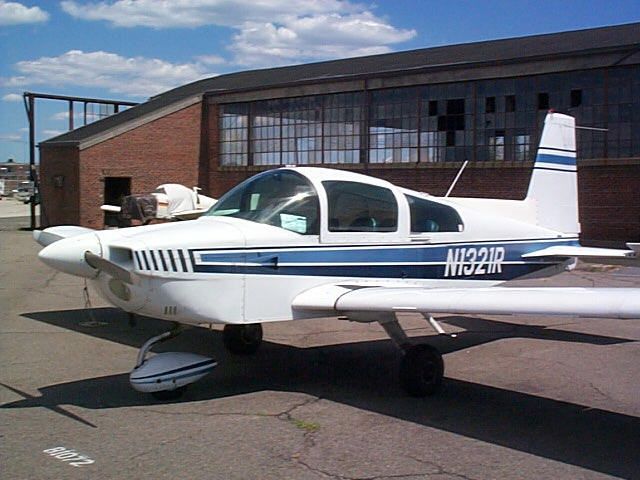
132,49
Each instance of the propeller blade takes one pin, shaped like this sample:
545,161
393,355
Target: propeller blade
110,268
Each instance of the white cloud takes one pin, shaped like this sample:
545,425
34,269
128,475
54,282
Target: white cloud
197,13
11,137
77,116
52,133
268,32
12,97
136,76
315,38
211,59
14,13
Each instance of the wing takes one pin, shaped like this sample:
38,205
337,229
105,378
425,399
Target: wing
585,302
607,256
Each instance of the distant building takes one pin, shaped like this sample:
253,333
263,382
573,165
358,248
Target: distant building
12,174
410,117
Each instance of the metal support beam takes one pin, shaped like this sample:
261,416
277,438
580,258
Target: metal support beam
71,115
29,99
29,104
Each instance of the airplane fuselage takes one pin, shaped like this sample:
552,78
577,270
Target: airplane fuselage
226,271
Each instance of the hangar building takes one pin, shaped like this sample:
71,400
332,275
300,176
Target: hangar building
410,117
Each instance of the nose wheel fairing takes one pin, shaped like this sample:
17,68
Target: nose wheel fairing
166,375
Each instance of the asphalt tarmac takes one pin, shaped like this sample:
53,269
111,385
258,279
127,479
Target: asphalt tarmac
524,397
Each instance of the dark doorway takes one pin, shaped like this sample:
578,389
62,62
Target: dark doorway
115,189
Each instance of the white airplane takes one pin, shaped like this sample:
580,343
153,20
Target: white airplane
302,242
169,201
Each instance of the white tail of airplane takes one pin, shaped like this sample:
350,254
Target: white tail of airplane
552,198
553,189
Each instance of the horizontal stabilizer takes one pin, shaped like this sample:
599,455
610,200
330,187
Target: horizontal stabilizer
582,302
606,256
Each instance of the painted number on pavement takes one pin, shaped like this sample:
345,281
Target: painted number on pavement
66,455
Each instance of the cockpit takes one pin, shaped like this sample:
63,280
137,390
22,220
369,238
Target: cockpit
334,204
281,198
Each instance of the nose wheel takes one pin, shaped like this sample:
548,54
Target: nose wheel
166,375
242,339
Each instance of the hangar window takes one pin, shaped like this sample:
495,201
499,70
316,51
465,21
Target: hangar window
280,198
233,134
360,207
428,216
576,98
496,145
543,101
522,146
490,105
393,126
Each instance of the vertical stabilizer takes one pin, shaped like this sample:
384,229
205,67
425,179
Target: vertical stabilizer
554,185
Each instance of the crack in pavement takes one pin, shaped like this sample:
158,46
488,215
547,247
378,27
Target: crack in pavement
278,415
440,469
156,447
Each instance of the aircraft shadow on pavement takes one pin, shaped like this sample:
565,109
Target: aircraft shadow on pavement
363,375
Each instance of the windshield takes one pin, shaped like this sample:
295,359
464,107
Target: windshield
281,198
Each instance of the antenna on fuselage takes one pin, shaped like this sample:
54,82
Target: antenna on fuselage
455,180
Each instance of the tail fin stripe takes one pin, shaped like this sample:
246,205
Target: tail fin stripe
556,149
560,160
567,170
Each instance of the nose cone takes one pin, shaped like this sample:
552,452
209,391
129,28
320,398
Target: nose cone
67,255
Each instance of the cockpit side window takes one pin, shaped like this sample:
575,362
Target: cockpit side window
359,207
428,216
283,199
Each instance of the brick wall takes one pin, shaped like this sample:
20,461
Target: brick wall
609,197
60,204
166,150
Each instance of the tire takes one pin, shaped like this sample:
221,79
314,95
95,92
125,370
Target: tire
421,371
242,339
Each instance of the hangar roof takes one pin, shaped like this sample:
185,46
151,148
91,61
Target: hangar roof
548,47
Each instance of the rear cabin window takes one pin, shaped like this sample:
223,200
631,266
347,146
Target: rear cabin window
358,207
428,216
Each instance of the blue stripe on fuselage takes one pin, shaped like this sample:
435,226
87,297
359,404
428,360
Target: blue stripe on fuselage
402,261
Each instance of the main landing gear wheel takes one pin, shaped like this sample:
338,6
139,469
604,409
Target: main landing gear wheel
421,370
242,339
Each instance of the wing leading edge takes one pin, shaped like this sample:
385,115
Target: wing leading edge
623,303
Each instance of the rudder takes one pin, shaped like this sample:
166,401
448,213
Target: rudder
554,185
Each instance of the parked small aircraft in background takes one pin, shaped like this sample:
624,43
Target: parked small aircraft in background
170,201
301,242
